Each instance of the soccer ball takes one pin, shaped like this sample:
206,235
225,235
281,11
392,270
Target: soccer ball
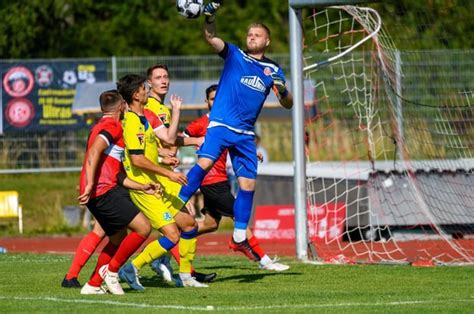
190,9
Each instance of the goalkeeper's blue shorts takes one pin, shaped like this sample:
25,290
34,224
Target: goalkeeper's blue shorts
242,150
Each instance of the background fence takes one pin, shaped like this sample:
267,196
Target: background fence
22,151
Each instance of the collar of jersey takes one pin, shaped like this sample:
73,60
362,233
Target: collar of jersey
143,120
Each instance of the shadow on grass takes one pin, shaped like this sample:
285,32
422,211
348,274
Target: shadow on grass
254,277
154,282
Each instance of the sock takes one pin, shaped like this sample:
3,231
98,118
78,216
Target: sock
265,260
104,258
84,251
187,250
129,245
175,252
242,210
253,242
152,251
195,177
239,235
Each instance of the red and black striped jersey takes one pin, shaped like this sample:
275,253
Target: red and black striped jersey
110,163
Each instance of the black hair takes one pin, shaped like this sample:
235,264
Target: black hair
129,84
210,89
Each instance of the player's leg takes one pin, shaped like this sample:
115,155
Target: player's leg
187,248
163,267
208,224
244,161
103,260
127,245
215,143
264,261
104,210
161,219
84,251
195,177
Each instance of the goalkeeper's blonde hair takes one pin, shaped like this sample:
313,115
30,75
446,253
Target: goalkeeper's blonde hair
260,25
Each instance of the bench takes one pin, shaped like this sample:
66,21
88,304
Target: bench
10,207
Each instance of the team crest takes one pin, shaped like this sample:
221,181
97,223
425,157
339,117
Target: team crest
44,75
167,216
267,71
141,138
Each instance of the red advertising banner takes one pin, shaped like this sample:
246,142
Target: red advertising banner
277,222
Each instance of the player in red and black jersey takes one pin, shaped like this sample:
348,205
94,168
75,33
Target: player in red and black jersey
102,189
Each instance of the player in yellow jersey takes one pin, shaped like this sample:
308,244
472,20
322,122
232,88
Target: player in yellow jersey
141,164
159,81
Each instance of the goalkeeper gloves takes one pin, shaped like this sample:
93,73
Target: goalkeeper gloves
211,8
279,84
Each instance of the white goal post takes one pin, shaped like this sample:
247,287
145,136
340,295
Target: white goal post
296,61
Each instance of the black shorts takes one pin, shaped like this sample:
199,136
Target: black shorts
113,210
218,200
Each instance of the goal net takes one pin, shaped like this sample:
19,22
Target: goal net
390,137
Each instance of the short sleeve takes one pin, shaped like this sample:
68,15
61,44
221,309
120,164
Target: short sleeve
134,134
155,122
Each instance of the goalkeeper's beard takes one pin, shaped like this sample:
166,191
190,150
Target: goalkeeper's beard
256,49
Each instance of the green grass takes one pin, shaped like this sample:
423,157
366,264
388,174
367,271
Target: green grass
31,283
43,196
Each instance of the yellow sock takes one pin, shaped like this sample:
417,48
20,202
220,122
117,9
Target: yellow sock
187,250
151,252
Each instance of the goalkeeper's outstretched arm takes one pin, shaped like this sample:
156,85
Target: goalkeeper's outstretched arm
210,34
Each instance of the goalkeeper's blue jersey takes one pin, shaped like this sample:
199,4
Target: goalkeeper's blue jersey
244,85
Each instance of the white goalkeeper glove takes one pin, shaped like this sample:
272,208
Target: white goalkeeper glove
279,85
211,8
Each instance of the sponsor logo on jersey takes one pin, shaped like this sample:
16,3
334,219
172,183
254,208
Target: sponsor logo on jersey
253,82
141,137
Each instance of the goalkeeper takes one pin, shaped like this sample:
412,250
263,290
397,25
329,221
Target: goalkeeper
245,82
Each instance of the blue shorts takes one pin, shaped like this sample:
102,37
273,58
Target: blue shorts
242,150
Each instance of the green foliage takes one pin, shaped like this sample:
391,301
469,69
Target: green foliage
33,285
87,28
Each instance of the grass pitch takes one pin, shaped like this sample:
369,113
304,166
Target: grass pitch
31,283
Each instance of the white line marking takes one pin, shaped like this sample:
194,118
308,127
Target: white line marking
241,308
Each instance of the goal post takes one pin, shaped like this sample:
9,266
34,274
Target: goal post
296,63
383,148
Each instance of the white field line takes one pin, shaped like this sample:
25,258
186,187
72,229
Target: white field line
239,308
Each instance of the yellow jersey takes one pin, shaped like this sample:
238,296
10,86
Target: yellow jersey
139,138
163,113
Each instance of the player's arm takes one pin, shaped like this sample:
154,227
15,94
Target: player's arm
189,141
148,188
279,87
92,161
168,135
140,161
210,26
